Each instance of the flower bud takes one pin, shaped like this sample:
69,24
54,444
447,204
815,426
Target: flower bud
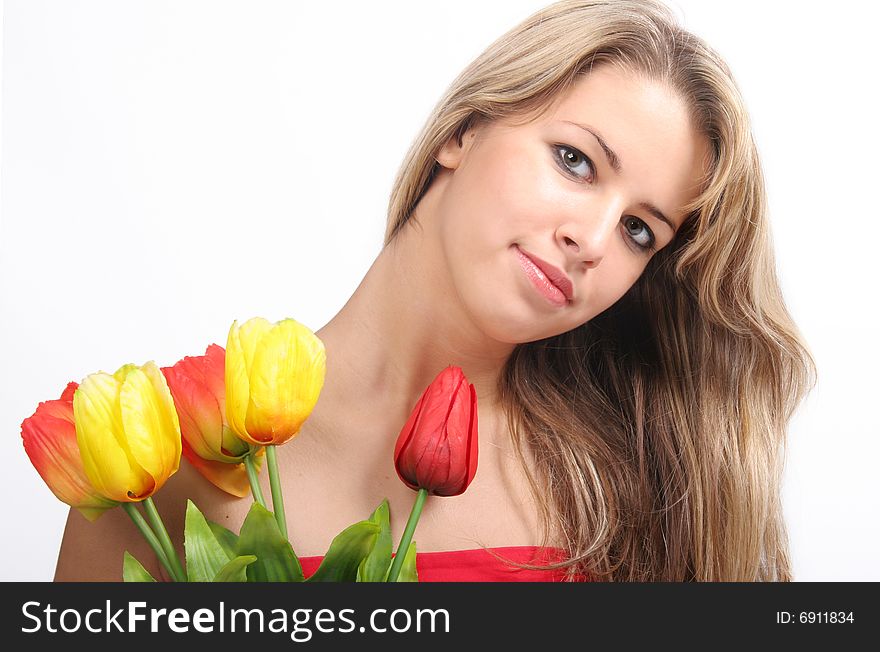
127,430
49,438
198,386
274,374
437,447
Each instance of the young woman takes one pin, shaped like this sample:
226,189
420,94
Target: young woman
581,227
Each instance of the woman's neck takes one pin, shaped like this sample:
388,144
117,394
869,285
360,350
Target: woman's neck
401,327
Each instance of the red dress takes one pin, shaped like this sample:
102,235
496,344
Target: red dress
477,565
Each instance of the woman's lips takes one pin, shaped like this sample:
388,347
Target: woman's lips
550,282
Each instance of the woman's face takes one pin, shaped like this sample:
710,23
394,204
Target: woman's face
545,225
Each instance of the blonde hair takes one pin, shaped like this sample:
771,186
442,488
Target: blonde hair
657,429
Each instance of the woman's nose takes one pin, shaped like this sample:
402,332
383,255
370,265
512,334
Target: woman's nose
587,240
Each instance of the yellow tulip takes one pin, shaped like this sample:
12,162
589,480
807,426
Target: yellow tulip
127,431
274,374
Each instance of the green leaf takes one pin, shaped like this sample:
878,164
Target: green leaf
235,570
133,571
205,557
346,553
227,539
260,536
375,566
408,572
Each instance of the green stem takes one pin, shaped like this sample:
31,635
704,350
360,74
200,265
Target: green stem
145,530
164,539
275,482
253,479
407,535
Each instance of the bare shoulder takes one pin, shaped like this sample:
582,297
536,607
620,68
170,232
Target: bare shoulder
93,551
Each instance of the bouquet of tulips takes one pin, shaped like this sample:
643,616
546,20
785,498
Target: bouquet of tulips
113,440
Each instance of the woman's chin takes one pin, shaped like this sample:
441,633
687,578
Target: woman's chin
515,327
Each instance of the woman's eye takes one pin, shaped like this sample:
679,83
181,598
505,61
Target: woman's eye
574,162
639,232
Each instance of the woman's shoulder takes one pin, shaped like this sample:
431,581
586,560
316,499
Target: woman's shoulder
94,550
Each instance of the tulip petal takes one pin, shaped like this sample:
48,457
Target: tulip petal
473,447
231,445
91,513
457,436
213,366
237,385
61,408
250,335
285,376
67,394
50,443
231,478
167,414
402,457
152,429
201,422
198,386
99,430
433,462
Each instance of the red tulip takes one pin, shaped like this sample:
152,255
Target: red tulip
49,438
198,386
437,448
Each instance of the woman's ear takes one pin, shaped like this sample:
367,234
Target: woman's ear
453,151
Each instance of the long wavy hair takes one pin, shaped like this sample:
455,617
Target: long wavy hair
655,431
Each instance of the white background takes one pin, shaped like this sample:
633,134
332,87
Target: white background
168,167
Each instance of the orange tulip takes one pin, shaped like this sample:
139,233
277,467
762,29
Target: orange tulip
49,438
198,386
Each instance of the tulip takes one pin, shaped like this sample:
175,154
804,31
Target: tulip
128,431
129,438
49,438
436,451
209,444
274,373
437,447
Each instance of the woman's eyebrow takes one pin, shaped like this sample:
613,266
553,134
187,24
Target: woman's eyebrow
613,159
614,162
656,212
